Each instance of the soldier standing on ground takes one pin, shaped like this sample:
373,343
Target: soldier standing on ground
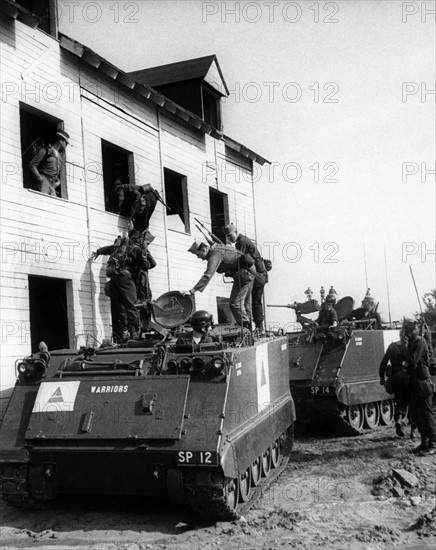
421,388
228,260
394,365
46,164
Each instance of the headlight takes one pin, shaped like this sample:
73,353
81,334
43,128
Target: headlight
172,366
22,367
198,363
185,363
218,363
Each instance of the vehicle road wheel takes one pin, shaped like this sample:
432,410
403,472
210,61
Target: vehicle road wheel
372,415
387,412
231,493
266,462
354,416
275,453
245,487
256,471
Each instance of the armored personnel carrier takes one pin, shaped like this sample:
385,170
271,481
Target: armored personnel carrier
208,427
333,372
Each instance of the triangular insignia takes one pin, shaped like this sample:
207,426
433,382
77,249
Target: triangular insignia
57,396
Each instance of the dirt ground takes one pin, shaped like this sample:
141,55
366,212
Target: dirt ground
336,493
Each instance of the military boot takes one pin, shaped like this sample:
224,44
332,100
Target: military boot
399,429
425,444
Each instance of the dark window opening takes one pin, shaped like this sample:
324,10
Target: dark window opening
176,198
37,131
41,8
117,167
225,315
48,312
211,109
219,212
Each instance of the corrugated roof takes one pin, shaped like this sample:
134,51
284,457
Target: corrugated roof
178,72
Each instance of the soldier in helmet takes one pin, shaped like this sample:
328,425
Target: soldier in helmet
368,311
421,388
201,323
327,316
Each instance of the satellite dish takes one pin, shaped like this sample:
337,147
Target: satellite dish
344,307
172,309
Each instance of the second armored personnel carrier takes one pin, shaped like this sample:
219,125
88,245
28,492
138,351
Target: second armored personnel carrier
207,426
333,373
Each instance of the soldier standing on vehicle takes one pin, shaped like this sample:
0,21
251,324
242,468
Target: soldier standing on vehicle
254,298
394,366
46,164
421,388
124,261
228,260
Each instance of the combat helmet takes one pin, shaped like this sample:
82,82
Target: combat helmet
201,319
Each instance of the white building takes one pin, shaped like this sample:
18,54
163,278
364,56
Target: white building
169,135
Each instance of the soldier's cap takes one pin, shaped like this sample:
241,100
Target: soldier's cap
148,236
193,249
409,324
230,228
63,135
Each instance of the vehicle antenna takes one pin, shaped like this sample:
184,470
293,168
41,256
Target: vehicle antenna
387,287
364,261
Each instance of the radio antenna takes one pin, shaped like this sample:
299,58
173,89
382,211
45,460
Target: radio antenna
387,287
417,294
364,261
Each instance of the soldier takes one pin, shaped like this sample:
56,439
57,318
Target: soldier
201,323
327,316
368,312
47,163
394,365
127,196
421,388
255,294
147,204
225,259
124,261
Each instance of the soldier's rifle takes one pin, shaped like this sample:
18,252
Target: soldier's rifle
208,240
289,306
214,238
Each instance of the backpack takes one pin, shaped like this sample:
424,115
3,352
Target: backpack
117,259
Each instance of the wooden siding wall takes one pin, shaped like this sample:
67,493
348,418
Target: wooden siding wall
50,236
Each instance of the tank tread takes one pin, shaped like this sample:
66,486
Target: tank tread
209,499
24,502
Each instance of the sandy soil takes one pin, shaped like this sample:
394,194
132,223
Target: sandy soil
336,493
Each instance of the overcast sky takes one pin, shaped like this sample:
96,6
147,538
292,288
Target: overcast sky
337,95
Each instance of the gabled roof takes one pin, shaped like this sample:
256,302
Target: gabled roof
88,56
206,68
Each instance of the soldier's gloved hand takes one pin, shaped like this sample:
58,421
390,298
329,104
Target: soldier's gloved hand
93,256
186,292
382,381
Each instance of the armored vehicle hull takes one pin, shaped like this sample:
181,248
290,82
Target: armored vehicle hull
335,379
208,428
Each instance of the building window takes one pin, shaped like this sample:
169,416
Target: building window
211,108
219,212
38,131
118,167
48,304
176,198
44,9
